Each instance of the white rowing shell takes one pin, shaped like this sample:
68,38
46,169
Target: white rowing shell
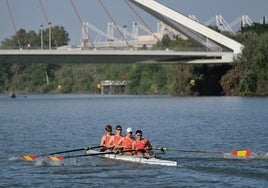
135,159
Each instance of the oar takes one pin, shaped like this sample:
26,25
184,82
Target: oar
34,157
237,153
60,158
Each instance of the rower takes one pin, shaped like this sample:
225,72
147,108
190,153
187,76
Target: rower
106,138
126,142
142,145
116,137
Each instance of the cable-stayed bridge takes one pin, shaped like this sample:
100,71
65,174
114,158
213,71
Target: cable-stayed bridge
217,48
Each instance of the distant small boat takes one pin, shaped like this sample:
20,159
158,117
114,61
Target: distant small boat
12,95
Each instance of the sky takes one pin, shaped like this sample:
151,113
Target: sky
27,14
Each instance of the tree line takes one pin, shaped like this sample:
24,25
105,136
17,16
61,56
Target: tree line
247,75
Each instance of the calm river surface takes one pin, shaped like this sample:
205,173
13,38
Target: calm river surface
41,124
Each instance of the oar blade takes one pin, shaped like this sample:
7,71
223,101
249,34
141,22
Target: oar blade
241,153
55,158
29,157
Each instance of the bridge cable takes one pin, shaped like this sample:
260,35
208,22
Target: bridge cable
144,23
80,20
13,23
111,18
142,20
48,23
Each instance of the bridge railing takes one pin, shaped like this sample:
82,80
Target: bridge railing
71,48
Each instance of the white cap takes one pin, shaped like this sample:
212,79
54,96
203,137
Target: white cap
129,130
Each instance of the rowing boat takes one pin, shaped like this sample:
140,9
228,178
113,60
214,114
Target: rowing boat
136,159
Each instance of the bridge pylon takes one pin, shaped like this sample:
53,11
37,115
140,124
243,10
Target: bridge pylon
200,33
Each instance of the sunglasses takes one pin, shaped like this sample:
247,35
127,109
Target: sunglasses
138,134
119,129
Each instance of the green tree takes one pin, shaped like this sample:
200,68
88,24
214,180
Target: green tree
181,76
147,79
254,64
75,78
59,37
163,43
22,38
230,82
258,28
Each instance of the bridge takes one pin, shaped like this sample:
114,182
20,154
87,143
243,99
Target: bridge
213,44
112,56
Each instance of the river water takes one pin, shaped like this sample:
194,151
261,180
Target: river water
41,124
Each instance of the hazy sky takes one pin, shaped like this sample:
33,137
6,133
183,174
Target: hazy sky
28,14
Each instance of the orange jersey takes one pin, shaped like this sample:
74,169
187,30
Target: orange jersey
116,139
127,143
107,139
141,144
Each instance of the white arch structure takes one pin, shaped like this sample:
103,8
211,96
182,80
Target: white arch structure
194,30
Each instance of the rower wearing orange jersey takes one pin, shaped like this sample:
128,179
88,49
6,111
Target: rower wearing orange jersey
142,145
115,138
106,138
126,142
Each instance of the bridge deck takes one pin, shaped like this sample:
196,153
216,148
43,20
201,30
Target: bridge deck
112,56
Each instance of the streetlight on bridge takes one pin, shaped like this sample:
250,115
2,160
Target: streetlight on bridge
41,31
49,35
